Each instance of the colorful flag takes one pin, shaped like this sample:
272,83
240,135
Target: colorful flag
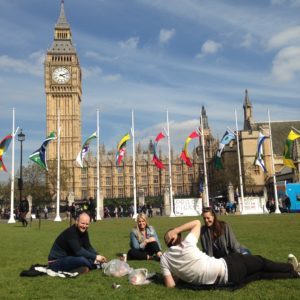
185,154
226,139
85,149
159,164
122,148
4,144
39,156
259,157
288,149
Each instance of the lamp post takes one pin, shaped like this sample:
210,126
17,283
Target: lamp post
21,139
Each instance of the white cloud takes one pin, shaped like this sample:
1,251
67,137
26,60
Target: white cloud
293,3
285,38
165,35
286,64
112,77
91,72
247,40
131,43
209,47
99,56
179,131
32,65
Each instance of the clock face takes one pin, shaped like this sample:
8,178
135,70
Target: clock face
61,75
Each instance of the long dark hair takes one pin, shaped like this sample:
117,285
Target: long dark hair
218,227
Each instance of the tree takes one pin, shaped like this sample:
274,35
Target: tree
51,177
34,179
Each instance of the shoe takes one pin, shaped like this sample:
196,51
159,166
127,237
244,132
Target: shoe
293,261
80,270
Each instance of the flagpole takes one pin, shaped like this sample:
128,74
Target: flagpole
133,167
12,188
239,161
277,210
58,218
98,217
204,163
170,168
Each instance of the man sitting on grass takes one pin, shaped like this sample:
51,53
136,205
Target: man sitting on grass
183,260
72,251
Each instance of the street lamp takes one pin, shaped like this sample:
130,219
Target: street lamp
21,139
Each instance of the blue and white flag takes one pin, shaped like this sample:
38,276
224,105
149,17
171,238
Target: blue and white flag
259,158
226,139
39,156
85,149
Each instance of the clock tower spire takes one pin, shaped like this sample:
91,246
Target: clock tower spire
63,99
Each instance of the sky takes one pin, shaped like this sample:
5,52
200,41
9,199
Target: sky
151,56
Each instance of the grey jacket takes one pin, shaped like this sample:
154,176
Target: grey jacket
222,246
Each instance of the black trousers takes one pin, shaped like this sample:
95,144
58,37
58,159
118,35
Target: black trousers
139,254
246,268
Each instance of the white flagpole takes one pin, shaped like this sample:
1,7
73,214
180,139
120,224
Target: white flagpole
204,164
239,161
12,188
98,217
133,167
58,218
170,168
277,210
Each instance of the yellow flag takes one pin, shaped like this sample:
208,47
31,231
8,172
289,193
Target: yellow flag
292,135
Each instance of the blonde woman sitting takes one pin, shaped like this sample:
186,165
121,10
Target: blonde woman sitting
144,242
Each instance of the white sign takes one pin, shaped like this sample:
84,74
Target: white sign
253,205
188,207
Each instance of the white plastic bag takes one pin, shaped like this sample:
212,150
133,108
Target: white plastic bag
139,277
117,268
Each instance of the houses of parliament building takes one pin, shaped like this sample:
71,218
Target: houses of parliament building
63,81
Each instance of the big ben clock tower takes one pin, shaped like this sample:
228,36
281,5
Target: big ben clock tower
63,99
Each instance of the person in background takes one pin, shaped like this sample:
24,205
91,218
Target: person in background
92,209
46,212
72,250
23,210
287,202
217,237
144,242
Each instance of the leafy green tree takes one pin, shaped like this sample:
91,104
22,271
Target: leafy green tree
34,184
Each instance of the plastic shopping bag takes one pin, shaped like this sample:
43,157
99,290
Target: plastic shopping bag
117,268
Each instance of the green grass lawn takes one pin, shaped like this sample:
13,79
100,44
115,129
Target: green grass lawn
272,236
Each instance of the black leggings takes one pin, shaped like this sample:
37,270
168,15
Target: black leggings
141,254
246,268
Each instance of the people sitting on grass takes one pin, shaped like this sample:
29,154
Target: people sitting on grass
184,260
217,237
72,251
144,242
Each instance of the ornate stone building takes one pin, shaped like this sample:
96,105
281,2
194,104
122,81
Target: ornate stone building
151,182
63,101
254,179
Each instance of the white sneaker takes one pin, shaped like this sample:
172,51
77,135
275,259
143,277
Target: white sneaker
293,261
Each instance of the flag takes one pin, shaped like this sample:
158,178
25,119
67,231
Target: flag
185,154
259,157
122,148
226,139
4,144
85,149
39,156
159,164
288,149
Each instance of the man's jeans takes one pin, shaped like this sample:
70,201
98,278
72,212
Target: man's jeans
70,263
